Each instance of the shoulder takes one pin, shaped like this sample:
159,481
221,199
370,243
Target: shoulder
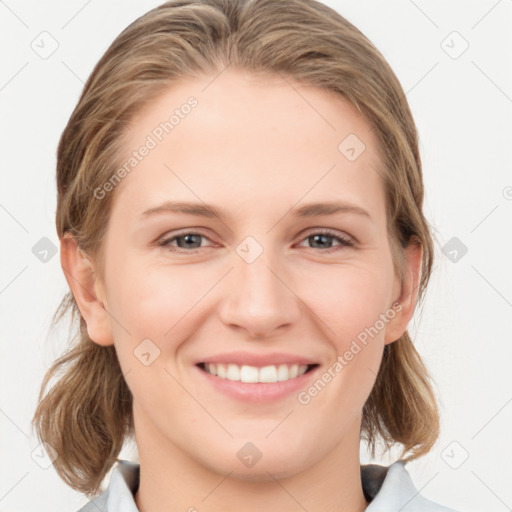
391,489
120,493
99,503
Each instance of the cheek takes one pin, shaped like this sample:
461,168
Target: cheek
157,302
356,317
348,299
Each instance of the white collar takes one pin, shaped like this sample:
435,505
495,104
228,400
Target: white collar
389,489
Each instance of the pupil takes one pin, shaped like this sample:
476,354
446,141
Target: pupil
187,238
317,237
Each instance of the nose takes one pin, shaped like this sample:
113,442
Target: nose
258,300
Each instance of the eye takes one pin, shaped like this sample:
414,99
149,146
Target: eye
191,240
324,238
185,240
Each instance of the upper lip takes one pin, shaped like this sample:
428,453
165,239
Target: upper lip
252,359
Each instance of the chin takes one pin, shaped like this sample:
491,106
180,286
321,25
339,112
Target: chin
271,460
265,472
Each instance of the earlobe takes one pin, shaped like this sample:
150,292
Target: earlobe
408,295
84,285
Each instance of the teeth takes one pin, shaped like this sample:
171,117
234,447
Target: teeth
252,374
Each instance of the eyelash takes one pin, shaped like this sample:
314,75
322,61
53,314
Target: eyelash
344,242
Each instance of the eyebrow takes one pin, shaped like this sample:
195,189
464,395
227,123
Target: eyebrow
206,210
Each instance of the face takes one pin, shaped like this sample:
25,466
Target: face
264,280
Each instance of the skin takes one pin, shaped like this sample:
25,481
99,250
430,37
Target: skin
257,147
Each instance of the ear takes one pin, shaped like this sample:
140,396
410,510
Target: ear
408,293
86,289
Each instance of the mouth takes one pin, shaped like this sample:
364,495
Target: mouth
257,378
256,374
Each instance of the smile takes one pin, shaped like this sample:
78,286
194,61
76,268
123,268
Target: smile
254,374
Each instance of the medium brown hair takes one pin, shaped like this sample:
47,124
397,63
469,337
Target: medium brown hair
87,414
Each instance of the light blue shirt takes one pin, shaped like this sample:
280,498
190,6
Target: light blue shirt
388,489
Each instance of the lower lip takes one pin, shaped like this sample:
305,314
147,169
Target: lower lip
258,392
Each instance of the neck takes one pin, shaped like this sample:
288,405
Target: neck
171,479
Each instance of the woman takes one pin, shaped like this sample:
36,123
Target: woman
249,366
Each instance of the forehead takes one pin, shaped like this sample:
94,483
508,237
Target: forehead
241,138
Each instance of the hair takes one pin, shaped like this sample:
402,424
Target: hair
87,414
